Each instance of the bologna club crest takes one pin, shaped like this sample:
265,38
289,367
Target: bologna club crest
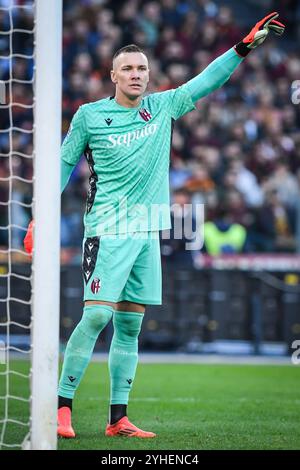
95,286
145,114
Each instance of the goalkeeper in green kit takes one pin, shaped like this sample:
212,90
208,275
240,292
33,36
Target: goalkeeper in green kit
126,141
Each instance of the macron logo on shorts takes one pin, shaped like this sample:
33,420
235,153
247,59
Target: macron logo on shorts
90,253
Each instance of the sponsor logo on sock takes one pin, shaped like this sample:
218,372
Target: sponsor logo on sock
95,286
124,353
129,381
71,378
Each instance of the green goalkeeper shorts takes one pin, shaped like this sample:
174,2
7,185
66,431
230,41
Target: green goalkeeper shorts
116,268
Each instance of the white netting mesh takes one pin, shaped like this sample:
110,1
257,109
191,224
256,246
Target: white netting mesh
16,176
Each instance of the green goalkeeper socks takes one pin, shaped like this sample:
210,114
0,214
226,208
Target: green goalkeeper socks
80,347
123,355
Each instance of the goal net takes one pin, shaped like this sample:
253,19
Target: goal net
30,89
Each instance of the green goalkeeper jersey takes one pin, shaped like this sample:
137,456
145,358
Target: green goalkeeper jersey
127,150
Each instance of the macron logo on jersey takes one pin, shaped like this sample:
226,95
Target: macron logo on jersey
126,139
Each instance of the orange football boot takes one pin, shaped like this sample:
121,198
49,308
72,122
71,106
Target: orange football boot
64,423
125,428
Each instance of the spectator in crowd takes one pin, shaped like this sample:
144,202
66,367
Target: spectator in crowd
222,235
274,227
244,137
174,244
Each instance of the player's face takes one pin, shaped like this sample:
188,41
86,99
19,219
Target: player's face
130,74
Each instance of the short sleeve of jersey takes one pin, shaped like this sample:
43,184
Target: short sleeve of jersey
177,101
76,139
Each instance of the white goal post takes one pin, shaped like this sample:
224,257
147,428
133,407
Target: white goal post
31,40
46,259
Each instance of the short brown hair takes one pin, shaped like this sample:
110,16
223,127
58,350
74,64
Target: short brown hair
129,48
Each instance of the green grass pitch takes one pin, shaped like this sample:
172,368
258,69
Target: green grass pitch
189,406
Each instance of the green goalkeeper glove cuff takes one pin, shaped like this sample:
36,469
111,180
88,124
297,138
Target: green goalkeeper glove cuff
259,33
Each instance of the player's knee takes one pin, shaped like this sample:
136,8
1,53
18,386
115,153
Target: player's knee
128,325
95,318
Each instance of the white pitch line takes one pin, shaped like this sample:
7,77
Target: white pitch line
181,358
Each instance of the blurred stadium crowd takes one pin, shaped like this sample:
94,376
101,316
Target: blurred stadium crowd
238,153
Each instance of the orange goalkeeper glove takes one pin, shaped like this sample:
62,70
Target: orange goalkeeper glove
28,240
259,33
